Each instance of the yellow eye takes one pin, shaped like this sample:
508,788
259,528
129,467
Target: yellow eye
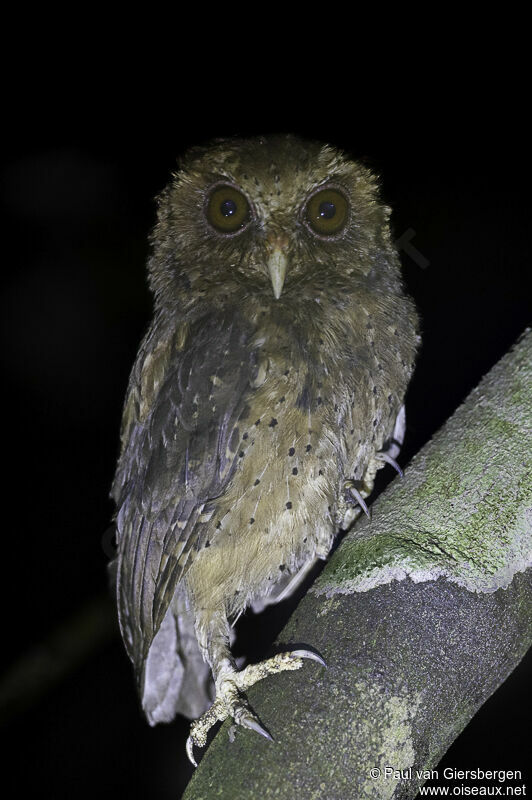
227,209
327,211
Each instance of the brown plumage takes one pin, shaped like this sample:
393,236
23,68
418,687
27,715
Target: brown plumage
271,378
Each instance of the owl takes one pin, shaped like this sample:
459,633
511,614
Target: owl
265,396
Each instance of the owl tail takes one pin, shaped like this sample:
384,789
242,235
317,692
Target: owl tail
175,678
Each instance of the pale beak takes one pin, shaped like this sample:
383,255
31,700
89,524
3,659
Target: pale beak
277,264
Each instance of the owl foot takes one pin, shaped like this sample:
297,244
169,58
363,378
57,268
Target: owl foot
230,699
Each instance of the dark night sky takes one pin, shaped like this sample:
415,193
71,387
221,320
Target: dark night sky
77,187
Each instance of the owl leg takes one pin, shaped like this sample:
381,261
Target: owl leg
231,685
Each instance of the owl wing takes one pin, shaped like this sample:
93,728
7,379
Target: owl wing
175,462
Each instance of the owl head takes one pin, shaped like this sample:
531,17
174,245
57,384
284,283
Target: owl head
273,220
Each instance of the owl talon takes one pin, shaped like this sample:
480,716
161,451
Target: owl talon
309,654
253,724
360,500
391,461
190,751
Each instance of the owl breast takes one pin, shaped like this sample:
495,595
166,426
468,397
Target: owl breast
311,421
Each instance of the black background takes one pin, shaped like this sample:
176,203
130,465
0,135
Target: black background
79,175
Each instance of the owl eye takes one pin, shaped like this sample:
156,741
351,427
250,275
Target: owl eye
227,209
326,212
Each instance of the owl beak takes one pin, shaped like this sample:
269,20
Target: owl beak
277,263
277,268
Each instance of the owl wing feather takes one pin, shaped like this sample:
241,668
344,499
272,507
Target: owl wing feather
175,462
